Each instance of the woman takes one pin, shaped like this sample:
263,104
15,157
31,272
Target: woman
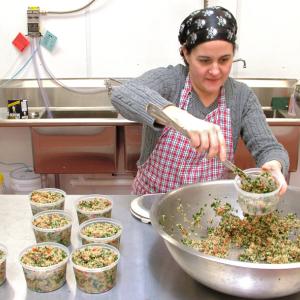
214,109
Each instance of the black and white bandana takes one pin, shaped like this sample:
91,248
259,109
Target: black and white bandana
212,23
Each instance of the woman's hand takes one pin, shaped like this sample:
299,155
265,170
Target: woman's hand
274,167
204,136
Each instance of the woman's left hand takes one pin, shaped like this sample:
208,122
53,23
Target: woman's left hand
274,167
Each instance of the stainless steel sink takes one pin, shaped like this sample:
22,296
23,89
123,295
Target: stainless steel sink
109,112
81,114
270,113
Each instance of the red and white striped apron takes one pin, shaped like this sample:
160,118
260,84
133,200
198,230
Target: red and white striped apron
174,163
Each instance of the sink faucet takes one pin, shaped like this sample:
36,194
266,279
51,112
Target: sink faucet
108,86
240,59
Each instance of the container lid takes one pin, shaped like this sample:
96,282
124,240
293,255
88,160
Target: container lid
25,173
140,206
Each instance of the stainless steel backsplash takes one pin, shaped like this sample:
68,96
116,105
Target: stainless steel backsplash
265,89
57,95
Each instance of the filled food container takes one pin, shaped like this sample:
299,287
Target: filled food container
93,206
52,226
44,266
95,267
261,195
3,254
47,199
101,230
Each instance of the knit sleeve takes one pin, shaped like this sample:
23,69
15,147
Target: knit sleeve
157,86
257,134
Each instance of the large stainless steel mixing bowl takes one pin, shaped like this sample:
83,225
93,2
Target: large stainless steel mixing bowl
229,276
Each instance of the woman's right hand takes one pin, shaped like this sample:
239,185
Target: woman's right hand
204,136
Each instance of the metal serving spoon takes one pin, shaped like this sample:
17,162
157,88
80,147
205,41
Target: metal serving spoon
160,116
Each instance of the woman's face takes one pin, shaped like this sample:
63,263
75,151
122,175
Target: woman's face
209,65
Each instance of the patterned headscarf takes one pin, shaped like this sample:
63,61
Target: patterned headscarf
212,23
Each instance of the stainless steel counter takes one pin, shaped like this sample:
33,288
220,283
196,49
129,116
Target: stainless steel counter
108,116
108,121
146,270
66,122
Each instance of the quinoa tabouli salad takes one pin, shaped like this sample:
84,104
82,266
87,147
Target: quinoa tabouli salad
92,207
44,266
95,267
101,231
2,254
264,182
45,199
258,194
94,204
51,221
43,256
2,265
270,238
53,226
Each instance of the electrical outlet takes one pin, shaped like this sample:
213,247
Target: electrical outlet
33,21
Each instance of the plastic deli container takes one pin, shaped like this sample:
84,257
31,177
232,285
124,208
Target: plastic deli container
85,214
96,279
101,230
45,204
24,180
60,235
3,250
255,203
45,279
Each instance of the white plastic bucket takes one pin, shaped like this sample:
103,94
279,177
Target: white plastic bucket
1,183
24,181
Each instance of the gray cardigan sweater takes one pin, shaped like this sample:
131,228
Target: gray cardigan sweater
163,86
